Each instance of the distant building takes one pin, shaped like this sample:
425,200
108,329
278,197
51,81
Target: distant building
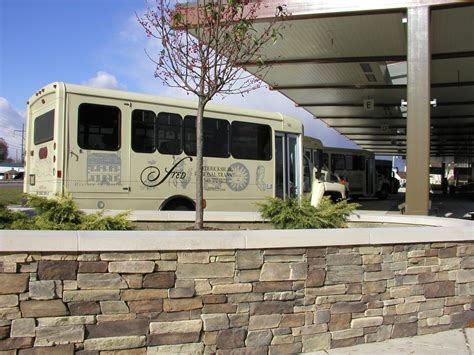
10,170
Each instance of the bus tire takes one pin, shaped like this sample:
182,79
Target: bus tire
178,203
383,194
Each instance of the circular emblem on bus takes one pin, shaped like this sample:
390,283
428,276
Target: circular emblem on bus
237,177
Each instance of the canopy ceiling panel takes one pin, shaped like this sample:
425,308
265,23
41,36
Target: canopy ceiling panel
305,74
330,65
346,95
453,110
335,37
452,30
454,94
453,70
395,122
329,111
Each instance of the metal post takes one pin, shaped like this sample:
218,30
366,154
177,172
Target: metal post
418,121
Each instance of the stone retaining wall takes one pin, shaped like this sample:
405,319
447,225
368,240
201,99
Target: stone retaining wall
276,301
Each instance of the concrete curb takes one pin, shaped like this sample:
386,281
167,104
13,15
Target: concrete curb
79,241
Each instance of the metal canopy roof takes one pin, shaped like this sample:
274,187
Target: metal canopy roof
330,63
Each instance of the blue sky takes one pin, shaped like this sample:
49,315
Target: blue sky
97,43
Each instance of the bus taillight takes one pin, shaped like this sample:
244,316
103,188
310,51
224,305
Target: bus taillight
43,153
60,174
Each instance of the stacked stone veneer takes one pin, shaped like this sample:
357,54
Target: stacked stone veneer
278,301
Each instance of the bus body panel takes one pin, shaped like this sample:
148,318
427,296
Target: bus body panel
97,170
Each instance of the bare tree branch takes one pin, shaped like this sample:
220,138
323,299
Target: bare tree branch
202,47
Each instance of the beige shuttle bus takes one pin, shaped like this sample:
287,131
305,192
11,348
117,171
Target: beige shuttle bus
121,150
355,166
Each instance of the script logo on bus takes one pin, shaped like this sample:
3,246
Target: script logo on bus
150,176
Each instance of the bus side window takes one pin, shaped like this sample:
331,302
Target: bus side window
143,131
190,135
169,133
349,162
99,127
359,163
251,141
325,160
316,159
306,176
337,162
215,140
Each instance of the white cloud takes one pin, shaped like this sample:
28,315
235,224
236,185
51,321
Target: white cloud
104,80
11,120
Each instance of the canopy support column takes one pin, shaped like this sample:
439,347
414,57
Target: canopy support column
418,120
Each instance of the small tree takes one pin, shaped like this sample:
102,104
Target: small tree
3,150
204,45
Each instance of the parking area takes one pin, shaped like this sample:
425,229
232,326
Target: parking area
451,206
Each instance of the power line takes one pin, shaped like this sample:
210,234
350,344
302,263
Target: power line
22,141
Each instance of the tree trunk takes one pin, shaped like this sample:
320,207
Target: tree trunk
199,164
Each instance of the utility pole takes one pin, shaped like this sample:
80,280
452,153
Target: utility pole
22,142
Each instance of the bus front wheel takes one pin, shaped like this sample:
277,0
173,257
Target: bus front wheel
178,204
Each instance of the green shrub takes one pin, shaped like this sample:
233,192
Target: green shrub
61,213
290,213
97,221
8,219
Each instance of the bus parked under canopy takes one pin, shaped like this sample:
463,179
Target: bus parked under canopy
121,150
356,166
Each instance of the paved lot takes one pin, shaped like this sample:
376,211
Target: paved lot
455,342
451,206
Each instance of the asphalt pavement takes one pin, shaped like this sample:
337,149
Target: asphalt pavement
449,206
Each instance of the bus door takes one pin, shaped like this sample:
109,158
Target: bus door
41,174
98,146
370,176
287,165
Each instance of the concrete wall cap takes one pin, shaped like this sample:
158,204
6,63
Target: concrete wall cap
26,240
83,241
159,240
